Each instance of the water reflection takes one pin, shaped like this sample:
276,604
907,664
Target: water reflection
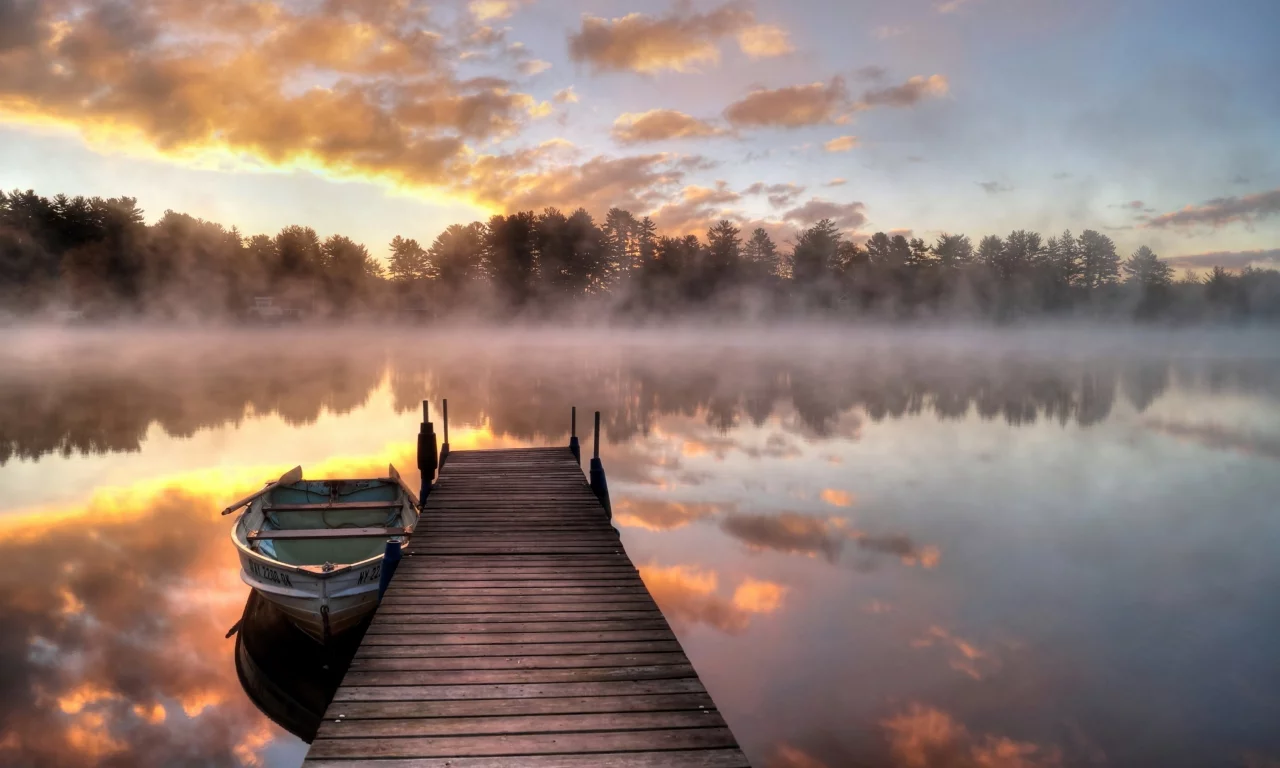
929,552
78,397
286,674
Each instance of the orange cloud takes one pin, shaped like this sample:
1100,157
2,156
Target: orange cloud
661,125
657,515
696,210
791,107
836,498
494,10
841,144
765,41
353,91
687,594
755,596
1222,211
153,715
788,756
923,736
963,656
677,42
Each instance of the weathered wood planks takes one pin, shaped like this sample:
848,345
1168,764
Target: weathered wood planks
517,632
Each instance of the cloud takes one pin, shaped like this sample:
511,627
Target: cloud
797,106
849,216
836,183
1227,259
138,673
677,42
493,10
921,736
765,41
779,195
755,596
887,32
696,209
836,498
534,66
951,6
1220,437
658,515
910,93
688,595
994,187
871,74
793,533
789,532
963,656
794,106
566,96
535,178
661,125
363,91
841,144
1222,211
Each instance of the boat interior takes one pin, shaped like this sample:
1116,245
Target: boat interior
360,513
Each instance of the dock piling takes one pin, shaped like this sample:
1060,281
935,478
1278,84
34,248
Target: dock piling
444,449
574,448
599,486
390,559
427,459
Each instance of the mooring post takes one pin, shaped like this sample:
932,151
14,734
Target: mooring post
574,448
390,559
598,484
444,449
427,461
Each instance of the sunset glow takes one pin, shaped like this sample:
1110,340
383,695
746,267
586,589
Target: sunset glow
974,117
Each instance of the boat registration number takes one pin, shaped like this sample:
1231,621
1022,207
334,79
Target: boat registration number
369,575
269,574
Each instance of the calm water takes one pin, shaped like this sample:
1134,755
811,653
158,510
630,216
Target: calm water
904,549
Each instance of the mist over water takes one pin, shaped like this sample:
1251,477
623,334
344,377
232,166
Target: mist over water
1045,547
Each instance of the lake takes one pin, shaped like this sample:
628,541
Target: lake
901,548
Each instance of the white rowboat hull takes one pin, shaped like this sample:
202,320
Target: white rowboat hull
347,598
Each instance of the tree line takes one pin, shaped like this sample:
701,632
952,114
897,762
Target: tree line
98,257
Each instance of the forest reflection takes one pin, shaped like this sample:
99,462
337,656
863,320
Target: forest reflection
96,399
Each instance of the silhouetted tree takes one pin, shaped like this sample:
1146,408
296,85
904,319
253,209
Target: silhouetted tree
813,257
409,261
510,247
457,255
761,255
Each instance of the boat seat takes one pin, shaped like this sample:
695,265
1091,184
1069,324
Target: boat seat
327,533
335,506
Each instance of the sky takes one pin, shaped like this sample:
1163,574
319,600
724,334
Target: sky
1153,121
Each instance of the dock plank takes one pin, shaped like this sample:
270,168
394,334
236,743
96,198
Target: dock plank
517,632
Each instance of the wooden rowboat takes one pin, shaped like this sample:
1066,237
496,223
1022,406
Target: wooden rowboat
314,548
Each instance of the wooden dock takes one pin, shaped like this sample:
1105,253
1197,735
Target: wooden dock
518,634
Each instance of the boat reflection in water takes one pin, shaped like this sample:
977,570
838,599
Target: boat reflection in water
285,673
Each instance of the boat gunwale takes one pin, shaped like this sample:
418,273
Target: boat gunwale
407,497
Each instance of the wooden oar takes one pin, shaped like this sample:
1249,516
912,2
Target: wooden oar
288,478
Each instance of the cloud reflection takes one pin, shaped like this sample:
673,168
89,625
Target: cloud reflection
793,533
659,515
690,595
925,737
115,613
